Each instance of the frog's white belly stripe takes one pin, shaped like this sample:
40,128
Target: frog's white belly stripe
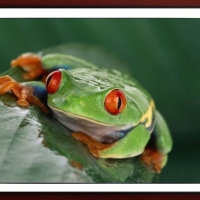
99,131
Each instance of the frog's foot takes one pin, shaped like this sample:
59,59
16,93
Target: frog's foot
94,146
154,159
31,63
22,92
76,164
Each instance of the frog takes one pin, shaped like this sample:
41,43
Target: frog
105,109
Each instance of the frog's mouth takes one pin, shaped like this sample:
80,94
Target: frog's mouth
103,132
97,130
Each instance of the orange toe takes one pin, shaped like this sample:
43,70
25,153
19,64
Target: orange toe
153,159
22,92
31,63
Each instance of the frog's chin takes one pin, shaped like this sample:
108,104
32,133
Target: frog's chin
97,130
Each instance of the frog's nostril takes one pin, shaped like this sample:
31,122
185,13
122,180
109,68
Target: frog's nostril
53,81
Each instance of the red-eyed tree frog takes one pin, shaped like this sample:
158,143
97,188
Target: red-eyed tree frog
107,110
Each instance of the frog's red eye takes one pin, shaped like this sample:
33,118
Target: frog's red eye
115,102
53,81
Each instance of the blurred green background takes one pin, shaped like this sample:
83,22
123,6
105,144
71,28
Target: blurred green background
163,54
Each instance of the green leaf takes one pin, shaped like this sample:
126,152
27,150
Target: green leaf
35,147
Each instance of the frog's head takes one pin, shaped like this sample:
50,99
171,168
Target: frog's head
103,111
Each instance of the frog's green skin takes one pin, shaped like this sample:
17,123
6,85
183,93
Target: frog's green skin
79,105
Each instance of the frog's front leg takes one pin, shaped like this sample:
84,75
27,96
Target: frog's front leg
24,92
94,146
160,144
31,63
130,145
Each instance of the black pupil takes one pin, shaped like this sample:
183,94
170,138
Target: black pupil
48,80
119,103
